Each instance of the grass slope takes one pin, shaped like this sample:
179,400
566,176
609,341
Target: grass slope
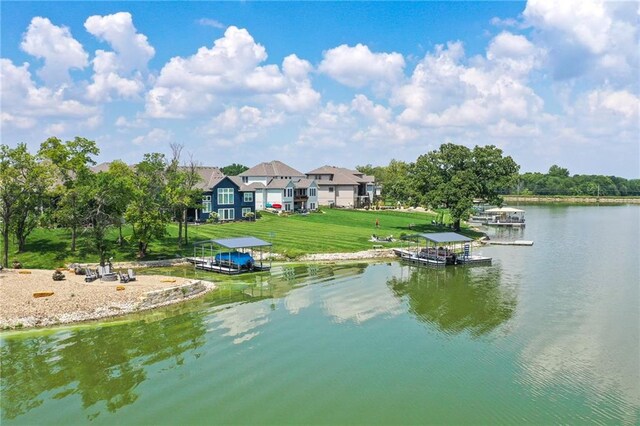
334,230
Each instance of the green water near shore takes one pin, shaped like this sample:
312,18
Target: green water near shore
547,334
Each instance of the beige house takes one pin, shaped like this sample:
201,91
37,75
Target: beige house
341,187
277,184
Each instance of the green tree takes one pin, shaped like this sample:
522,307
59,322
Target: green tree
397,183
148,213
233,169
31,204
71,160
454,175
107,196
20,184
558,171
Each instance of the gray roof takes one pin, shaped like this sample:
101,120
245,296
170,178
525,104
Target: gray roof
304,183
235,243
446,237
341,176
243,186
209,176
272,168
278,183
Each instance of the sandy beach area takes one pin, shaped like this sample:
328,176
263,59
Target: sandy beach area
73,299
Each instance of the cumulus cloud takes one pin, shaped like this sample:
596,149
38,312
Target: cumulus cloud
357,66
154,137
238,125
133,49
594,38
57,47
23,101
119,72
360,122
447,91
230,71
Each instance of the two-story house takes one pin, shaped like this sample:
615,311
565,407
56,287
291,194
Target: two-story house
275,185
228,197
341,187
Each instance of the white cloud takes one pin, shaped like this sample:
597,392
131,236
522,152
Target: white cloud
446,92
60,51
211,23
133,49
357,66
594,38
22,100
120,72
154,137
230,72
238,125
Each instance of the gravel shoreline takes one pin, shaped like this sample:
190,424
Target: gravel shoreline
74,300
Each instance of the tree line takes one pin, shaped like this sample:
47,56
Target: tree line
401,181
56,187
557,181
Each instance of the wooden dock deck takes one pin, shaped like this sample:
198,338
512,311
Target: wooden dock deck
511,243
206,264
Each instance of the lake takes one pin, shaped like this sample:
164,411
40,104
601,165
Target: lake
547,334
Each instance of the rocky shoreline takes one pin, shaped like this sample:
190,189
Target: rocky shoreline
22,304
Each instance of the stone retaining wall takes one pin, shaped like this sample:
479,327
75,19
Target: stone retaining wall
171,294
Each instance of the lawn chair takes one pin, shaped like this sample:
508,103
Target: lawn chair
124,278
132,275
90,275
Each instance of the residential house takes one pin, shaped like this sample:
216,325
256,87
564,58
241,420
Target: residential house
275,185
341,187
228,197
305,195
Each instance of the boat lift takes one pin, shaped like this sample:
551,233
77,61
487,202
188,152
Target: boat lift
209,255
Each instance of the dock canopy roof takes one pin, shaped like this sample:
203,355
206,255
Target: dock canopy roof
445,237
235,243
504,210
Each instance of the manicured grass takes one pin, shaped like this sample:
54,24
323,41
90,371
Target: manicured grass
334,230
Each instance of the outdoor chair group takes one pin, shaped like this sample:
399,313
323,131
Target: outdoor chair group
105,274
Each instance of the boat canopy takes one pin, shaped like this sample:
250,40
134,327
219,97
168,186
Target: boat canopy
236,243
504,210
444,237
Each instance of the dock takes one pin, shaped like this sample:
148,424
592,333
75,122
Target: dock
511,243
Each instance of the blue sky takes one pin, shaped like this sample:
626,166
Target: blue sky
340,83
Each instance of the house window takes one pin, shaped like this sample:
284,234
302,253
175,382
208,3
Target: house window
225,195
287,207
312,192
246,210
289,192
312,206
331,189
245,179
248,197
226,214
206,204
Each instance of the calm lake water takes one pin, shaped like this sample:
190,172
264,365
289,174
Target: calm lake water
547,334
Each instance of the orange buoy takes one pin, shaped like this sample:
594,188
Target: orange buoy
43,294
24,272
120,288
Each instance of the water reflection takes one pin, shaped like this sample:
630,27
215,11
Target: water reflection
456,299
100,365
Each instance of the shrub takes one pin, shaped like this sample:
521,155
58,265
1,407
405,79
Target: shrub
250,216
258,215
17,265
213,217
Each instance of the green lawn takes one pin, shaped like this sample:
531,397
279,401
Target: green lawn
334,230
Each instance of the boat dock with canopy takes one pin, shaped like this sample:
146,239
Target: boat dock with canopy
230,255
440,249
505,216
